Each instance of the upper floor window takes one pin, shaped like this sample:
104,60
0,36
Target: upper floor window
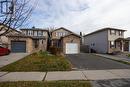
40,33
64,34
44,33
24,32
35,33
30,33
113,32
120,33
60,34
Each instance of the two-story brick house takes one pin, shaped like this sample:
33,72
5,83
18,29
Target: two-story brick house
65,39
31,40
107,40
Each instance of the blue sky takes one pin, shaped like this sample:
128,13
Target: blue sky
81,15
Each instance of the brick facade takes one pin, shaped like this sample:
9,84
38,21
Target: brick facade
70,39
30,43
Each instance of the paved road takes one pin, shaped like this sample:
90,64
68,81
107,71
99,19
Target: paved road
111,83
5,60
93,62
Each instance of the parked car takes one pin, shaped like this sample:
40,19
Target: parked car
4,51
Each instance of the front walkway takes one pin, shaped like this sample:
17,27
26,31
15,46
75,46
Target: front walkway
13,57
67,75
114,57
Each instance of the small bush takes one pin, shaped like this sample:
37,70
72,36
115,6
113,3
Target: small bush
55,50
42,53
128,55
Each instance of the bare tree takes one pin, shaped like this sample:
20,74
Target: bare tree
14,13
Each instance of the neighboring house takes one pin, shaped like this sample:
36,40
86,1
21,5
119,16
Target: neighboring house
68,41
107,40
4,38
127,44
31,40
57,34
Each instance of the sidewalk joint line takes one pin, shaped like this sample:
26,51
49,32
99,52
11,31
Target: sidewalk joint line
5,74
84,75
45,76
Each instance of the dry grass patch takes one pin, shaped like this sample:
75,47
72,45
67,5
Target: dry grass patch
41,61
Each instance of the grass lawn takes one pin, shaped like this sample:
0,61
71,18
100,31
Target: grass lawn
41,61
47,84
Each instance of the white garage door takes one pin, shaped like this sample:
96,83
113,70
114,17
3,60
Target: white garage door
71,48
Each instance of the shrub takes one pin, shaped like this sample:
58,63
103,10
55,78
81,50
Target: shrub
128,55
55,50
42,53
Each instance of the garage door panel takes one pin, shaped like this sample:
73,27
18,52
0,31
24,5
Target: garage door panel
71,48
18,46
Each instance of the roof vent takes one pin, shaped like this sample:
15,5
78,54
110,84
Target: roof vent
33,27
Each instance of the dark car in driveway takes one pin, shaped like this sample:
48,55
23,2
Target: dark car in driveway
4,51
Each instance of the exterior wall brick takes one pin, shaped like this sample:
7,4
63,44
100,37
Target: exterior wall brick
30,47
29,44
70,39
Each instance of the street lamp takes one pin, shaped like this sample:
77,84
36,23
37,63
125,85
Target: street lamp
7,6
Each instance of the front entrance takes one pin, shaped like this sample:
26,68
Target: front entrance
18,46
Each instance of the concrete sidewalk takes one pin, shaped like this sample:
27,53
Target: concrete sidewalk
114,57
13,57
67,75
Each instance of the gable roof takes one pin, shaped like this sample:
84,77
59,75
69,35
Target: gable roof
37,29
10,29
104,30
63,29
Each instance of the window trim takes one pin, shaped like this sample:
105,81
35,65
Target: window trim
113,33
112,45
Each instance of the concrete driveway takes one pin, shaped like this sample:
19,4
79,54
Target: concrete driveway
13,57
92,62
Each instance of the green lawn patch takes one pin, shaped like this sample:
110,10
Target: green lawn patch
124,62
47,84
128,55
41,61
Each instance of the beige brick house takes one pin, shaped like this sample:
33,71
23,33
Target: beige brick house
31,40
65,39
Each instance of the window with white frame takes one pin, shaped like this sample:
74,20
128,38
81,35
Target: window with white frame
113,32
40,33
56,34
35,33
43,33
112,44
29,33
120,33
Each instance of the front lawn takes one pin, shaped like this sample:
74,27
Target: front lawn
41,61
128,55
47,84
